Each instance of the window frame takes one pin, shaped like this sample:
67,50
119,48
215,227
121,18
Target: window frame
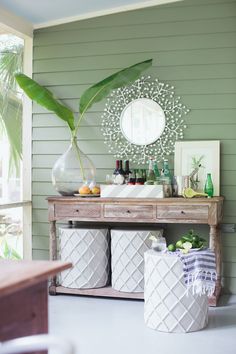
26,202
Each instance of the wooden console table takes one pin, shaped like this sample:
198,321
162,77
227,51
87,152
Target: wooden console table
24,296
138,211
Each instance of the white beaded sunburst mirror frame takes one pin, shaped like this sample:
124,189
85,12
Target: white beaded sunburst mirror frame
142,120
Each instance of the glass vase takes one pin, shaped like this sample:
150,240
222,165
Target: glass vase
72,170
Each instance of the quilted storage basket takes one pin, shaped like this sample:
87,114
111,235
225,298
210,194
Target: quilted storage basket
88,250
169,306
127,258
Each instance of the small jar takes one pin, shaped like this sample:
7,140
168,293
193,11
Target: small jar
167,188
159,244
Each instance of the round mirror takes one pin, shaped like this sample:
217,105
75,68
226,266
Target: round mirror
142,121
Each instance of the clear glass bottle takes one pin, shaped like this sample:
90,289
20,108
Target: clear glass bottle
209,188
151,174
72,170
156,172
159,243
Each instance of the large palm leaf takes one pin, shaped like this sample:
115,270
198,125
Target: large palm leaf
100,90
94,94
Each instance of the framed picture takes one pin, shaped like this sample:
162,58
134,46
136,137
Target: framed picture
201,157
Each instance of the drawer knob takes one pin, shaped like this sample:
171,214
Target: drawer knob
182,212
77,210
128,211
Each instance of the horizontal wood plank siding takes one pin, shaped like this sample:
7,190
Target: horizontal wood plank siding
193,46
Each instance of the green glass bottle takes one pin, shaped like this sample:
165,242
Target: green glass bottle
156,170
166,169
209,188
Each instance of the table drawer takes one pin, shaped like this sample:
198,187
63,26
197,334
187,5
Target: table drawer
129,212
199,212
81,210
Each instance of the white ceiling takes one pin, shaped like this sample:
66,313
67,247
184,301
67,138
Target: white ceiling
42,13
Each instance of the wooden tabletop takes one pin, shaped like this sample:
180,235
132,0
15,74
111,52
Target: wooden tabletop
173,200
16,275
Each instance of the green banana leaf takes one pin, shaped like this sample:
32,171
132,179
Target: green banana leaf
45,98
100,90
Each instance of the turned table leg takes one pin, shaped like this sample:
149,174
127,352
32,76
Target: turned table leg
215,245
53,254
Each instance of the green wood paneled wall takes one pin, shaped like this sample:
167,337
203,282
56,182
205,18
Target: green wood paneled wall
193,46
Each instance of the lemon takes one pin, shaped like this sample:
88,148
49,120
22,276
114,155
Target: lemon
187,245
179,244
171,247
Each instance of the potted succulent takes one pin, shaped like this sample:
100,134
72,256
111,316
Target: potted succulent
74,168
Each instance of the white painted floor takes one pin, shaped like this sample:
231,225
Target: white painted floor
106,326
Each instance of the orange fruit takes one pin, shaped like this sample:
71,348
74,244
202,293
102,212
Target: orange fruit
84,190
96,190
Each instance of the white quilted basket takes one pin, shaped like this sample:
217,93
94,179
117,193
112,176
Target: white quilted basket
168,307
127,258
88,250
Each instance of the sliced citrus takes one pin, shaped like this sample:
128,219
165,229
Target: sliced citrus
187,245
184,251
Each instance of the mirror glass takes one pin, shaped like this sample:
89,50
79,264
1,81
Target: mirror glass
142,121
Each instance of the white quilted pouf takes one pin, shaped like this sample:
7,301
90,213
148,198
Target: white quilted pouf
127,258
88,250
168,306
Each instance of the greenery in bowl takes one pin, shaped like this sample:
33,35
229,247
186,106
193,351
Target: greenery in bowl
190,240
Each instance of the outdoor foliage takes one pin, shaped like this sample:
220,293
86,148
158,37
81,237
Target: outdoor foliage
11,61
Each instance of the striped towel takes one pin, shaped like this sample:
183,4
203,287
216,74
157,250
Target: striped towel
199,271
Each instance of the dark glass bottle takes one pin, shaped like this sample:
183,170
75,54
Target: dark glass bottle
209,188
120,174
144,175
132,178
139,177
116,168
127,171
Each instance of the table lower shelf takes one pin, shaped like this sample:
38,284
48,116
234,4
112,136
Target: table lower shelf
107,291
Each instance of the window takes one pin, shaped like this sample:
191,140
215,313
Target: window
15,154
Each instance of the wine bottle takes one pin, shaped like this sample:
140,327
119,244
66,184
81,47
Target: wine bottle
209,188
120,175
116,168
127,171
